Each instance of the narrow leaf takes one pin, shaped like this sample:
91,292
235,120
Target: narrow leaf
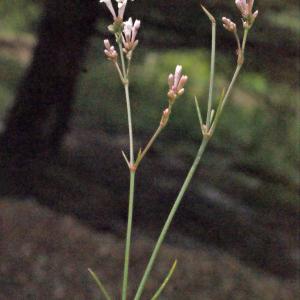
212,114
100,285
126,159
159,291
198,112
210,16
222,95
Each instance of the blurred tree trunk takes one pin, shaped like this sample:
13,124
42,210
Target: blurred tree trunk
39,118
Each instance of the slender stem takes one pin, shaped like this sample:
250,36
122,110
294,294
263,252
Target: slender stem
148,146
245,39
100,285
128,235
237,40
119,71
199,112
126,87
233,80
237,70
212,72
132,178
122,59
128,66
169,219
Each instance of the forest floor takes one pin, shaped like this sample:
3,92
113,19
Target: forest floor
45,255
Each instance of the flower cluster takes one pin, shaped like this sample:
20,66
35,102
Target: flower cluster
129,36
176,83
125,32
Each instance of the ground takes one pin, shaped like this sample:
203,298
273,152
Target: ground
45,255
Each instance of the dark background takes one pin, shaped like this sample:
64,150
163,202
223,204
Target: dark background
63,126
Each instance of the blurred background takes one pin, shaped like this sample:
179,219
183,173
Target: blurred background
63,181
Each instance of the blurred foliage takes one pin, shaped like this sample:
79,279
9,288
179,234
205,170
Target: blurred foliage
256,145
10,73
257,138
19,16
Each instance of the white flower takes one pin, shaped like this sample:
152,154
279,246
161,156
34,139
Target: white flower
110,7
121,7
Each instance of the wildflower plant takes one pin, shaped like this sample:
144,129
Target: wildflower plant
125,35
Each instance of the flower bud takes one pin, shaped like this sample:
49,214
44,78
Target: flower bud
176,83
229,25
110,51
165,117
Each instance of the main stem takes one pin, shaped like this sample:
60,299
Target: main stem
128,235
132,179
170,219
126,86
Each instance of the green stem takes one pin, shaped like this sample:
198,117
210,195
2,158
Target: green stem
122,59
148,146
245,40
212,72
128,235
169,219
126,87
132,178
119,71
233,80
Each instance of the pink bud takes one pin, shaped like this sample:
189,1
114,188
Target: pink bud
171,81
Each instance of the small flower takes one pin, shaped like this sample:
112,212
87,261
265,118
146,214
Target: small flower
176,83
110,51
121,8
228,24
129,35
246,7
110,7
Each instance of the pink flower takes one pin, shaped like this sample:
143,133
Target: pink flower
129,35
176,83
246,7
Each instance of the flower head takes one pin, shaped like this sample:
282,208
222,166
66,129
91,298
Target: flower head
129,35
176,83
246,7
228,24
110,51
